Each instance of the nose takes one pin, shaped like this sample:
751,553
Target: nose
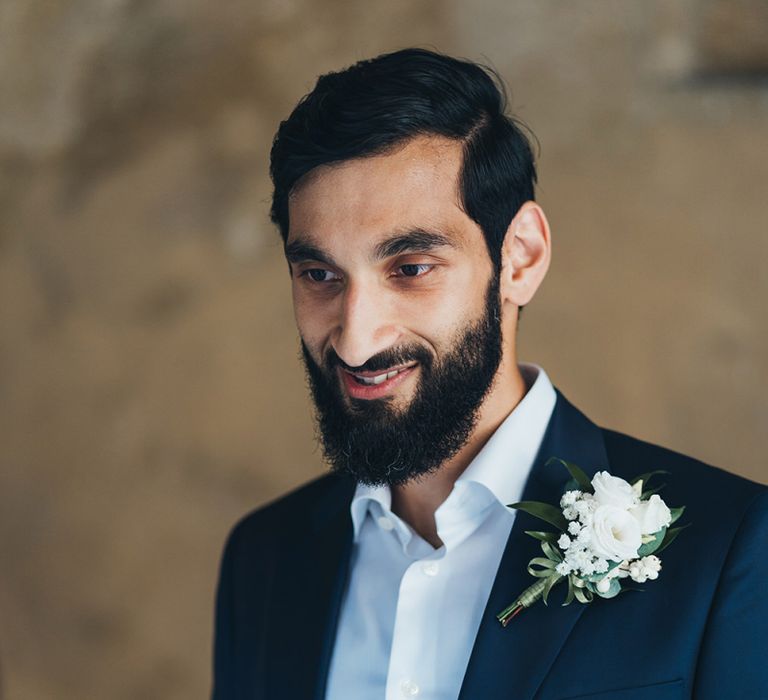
365,324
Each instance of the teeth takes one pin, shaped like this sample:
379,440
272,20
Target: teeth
378,379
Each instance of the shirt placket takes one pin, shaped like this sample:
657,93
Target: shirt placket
414,656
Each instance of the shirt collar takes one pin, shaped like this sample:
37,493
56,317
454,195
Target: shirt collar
503,464
364,496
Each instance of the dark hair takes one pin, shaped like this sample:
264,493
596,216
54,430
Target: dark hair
378,103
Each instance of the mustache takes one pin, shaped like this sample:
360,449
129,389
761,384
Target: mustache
382,360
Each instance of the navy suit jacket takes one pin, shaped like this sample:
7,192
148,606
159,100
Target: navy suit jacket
700,630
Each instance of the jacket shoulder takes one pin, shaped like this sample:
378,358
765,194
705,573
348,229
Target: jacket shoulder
703,488
632,451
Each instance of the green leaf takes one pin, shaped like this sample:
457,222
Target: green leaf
544,511
582,595
669,538
576,472
547,567
676,513
543,536
613,591
552,552
653,546
571,592
649,492
625,589
571,485
645,477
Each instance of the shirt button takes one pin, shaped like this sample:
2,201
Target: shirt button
430,568
408,688
385,523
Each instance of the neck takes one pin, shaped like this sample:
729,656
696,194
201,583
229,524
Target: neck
416,502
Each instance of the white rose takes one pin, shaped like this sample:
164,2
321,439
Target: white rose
613,491
615,534
652,515
569,498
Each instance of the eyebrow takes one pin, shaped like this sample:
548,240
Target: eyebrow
301,251
417,240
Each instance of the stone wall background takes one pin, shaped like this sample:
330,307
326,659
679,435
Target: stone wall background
149,375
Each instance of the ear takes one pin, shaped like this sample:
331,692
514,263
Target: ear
525,255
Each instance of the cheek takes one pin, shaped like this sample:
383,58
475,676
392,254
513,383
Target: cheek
316,317
447,308
309,319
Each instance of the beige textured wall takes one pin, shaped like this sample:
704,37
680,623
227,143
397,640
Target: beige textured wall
149,381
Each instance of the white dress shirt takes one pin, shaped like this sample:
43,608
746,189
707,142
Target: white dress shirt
411,612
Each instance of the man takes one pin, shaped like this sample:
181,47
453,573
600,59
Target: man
405,199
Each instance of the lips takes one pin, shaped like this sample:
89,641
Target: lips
372,385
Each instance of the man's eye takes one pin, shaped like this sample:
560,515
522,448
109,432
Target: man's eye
319,275
414,270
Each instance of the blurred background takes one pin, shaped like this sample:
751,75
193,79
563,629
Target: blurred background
150,387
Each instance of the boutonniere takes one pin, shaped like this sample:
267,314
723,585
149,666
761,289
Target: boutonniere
609,530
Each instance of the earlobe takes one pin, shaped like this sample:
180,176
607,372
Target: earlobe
526,253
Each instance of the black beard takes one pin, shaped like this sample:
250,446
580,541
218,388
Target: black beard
378,444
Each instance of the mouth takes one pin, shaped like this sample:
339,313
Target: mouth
373,385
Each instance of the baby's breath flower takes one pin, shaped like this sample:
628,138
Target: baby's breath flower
569,498
601,566
578,558
570,513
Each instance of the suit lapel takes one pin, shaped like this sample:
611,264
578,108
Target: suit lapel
308,592
512,661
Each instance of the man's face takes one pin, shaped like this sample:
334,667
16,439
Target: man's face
397,305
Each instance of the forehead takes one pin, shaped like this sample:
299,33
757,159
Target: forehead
356,201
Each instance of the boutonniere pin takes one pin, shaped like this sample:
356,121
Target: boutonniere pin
609,530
